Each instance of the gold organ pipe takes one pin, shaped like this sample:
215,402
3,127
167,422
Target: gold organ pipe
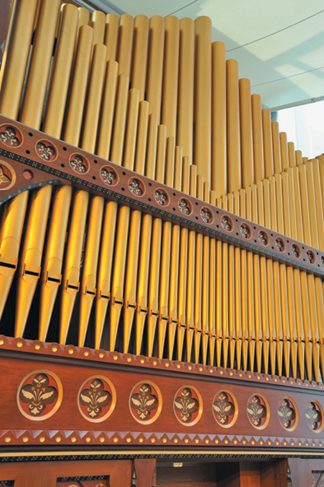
61,71
116,154
205,287
318,202
15,56
299,158
183,267
267,142
155,65
152,145
175,257
231,330
107,112
40,64
111,36
30,261
92,111
98,23
257,138
79,86
170,158
141,32
53,260
89,277
291,154
219,169
126,31
284,150
170,75
251,284
203,100
312,204
83,17
225,291
212,290
257,285
191,271
198,278
276,147
233,127
186,86
10,238
142,137
131,134
246,133
244,287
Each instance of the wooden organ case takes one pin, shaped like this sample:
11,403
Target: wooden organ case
161,262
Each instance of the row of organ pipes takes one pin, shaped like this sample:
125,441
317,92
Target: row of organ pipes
158,97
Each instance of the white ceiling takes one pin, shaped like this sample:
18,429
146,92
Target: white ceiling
279,45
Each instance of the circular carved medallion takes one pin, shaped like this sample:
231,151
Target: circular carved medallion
258,411
96,399
39,395
79,163
227,223
10,136
145,402
161,197
225,409
46,150
245,231
288,414
185,206
7,176
188,405
206,215
136,186
109,176
314,416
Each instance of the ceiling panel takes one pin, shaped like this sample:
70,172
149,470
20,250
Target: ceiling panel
150,8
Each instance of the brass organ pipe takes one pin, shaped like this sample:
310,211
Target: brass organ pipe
141,145
219,163
79,86
111,36
198,278
83,17
191,272
98,23
152,145
131,134
219,295
202,145
251,283
318,202
125,44
170,158
183,267
312,204
291,154
267,142
232,324
141,32
276,147
212,290
257,285
62,65
175,258
284,150
244,287
116,154
170,75
205,287
15,56
299,158
107,111
257,138
155,65
234,177
186,86
40,64
246,132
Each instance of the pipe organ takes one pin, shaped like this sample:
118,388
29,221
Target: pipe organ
211,250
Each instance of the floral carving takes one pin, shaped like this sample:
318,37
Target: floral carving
313,416
279,244
223,408
161,197
135,187
226,223
9,137
95,398
78,164
245,231
310,257
263,238
144,402
44,151
295,251
38,395
206,215
108,176
184,206
186,405
286,414
256,411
